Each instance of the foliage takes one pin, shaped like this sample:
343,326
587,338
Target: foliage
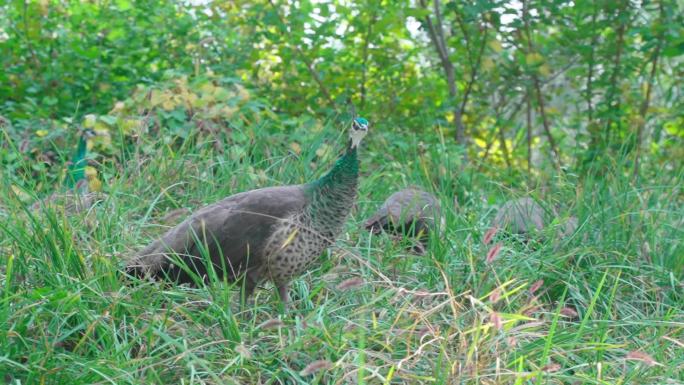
371,310
595,77
576,103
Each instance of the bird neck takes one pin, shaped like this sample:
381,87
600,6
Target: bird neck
333,194
76,170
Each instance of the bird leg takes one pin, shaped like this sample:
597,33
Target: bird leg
284,295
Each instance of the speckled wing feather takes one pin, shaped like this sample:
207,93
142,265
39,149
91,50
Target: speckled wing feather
520,216
404,208
235,231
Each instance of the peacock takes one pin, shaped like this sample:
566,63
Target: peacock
75,196
410,211
272,233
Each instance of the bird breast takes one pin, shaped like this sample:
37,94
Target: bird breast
292,247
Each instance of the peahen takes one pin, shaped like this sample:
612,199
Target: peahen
526,218
410,211
75,196
522,216
272,233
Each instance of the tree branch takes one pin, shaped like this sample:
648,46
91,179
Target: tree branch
437,36
614,76
528,115
643,110
590,74
537,87
364,63
474,70
306,61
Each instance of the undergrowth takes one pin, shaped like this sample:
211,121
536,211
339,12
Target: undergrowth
602,305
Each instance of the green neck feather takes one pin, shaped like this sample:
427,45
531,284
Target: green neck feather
346,169
76,170
333,194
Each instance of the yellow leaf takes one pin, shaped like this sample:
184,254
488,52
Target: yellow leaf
321,151
20,193
118,107
207,88
242,92
296,148
168,105
533,59
94,185
89,121
91,172
495,45
130,125
156,98
488,63
190,99
41,133
545,70
228,112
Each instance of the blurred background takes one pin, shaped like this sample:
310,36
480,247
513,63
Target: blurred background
516,84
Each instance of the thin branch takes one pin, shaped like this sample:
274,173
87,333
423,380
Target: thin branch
643,110
440,27
590,72
614,78
537,87
514,111
504,147
364,63
434,37
474,70
437,36
307,62
529,131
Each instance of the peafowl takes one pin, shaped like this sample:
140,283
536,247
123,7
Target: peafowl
273,233
410,211
76,196
522,216
525,217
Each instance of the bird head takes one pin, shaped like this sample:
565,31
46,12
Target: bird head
359,129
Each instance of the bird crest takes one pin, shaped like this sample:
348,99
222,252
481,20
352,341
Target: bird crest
359,129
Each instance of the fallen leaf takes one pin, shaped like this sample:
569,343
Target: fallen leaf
493,252
271,324
350,283
641,356
495,319
568,312
535,286
489,235
315,367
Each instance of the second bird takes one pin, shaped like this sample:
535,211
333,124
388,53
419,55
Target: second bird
410,211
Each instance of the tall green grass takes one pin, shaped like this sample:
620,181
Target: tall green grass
609,310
